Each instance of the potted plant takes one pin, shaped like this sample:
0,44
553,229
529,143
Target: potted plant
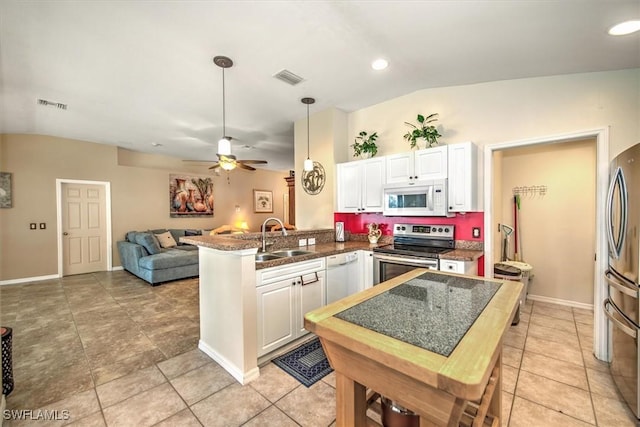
365,145
423,130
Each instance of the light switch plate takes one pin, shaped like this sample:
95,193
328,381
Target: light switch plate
302,242
312,240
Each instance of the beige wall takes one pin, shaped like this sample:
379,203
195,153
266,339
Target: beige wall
557,229
139,195
489,113
327,130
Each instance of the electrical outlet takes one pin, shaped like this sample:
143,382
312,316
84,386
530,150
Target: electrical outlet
476,232
33,226
312,241
302,242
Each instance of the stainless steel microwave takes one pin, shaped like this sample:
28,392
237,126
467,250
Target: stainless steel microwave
428,198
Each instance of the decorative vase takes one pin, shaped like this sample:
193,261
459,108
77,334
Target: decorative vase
181,196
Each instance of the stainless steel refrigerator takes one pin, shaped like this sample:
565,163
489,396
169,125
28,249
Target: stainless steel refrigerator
622,306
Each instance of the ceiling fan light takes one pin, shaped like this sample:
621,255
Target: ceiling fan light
308,165
224,146
227,164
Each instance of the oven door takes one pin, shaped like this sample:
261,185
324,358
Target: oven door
387,266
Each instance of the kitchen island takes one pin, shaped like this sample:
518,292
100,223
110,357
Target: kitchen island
427,340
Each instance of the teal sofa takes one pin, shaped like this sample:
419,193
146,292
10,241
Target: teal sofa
142,254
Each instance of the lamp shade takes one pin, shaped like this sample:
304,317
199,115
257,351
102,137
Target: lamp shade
224,146
308,165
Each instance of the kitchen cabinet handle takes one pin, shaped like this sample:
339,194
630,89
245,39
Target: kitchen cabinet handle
317,279
615,280
631,331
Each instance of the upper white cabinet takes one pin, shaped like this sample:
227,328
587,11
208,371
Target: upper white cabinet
416,166
464,182
360,185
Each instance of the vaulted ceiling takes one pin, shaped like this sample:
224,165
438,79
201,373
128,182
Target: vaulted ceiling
139,74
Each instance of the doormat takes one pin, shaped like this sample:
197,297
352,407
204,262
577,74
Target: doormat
307,363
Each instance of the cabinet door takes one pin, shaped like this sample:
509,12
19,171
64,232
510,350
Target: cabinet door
311,296
400,168
348,187
373,176
276,323
367,267
463,177
431,163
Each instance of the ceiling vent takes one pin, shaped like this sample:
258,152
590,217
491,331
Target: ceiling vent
46,103
288,77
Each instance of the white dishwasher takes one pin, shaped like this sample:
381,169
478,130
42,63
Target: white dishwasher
343,278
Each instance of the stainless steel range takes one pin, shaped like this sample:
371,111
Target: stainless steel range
414,245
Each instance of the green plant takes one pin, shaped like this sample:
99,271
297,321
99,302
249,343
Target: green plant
423,130
365,143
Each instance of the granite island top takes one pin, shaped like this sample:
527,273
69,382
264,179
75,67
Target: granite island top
431,311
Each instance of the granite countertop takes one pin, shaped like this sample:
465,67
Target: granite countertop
237,242
431,311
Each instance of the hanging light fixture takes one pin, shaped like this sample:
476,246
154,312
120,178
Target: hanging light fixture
308,164
224,145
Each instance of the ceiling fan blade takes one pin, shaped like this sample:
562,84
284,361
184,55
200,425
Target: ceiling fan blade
200,161
217,165
243,166
254,162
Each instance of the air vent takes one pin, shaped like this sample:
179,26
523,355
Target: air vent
46,103
288,77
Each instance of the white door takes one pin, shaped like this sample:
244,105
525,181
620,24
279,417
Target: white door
84,228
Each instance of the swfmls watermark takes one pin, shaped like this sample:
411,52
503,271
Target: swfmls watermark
36,414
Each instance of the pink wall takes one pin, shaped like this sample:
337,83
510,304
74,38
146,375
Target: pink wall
357,223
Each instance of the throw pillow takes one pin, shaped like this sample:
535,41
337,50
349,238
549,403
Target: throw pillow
166,240
149,242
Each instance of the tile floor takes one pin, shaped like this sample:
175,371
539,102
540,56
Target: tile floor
114,351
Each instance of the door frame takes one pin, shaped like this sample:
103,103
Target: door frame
600,325
107,194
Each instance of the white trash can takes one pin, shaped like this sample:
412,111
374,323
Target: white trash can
518,272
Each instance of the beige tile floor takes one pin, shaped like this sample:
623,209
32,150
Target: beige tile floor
114,351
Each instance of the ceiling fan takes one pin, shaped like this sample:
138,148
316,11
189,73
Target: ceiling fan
226,160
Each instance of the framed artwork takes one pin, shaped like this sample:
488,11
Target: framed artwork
190,196
6,199
262,201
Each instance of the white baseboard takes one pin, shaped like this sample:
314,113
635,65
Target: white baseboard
560,302
28,279
41,278
237,373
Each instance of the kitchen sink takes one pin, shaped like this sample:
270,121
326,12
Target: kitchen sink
266,257
290,252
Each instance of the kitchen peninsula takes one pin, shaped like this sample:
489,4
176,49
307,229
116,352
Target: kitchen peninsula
227,288
429,341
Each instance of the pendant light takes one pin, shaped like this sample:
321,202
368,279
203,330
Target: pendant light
308,164
224,145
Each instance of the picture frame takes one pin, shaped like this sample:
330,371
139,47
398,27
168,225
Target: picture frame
190,196
6,196
262,201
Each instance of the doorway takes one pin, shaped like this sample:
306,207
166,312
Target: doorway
602,170
84,226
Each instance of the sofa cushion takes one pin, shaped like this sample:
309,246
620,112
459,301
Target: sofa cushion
149,242
186,247
131,236
168,259
193,232
166,240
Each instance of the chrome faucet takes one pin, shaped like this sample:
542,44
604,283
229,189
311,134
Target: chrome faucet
264,231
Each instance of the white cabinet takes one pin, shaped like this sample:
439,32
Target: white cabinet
464,181
469,268
360,185
284,294
422,165
366,262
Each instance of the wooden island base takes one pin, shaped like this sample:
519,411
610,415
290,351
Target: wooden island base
435,407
